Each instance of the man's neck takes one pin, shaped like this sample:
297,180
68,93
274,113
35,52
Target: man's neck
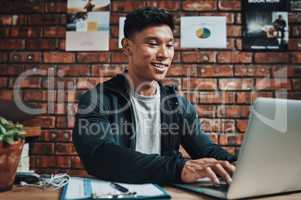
144,88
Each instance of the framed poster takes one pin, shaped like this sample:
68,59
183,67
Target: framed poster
121,32
88,23
265,25
203,32
296,5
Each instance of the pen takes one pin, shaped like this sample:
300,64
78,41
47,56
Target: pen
119,187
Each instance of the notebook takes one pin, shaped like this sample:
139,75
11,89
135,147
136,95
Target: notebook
88,188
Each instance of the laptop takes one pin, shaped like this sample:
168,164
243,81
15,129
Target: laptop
269,161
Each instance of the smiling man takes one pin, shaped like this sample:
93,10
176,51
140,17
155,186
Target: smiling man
130,128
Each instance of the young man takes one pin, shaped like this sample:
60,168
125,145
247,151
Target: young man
129,128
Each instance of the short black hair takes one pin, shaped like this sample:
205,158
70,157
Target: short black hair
142,18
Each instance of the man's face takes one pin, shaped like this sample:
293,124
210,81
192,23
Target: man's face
150,53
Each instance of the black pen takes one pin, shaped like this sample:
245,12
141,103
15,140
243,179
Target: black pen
119,187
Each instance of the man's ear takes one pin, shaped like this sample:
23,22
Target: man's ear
126,46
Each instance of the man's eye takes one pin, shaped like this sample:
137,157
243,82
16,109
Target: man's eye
152,43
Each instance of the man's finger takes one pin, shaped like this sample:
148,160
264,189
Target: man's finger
228,166
223,173
212,176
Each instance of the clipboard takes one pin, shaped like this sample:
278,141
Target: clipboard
79,188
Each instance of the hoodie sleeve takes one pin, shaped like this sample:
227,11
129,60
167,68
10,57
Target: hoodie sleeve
105,159
194,141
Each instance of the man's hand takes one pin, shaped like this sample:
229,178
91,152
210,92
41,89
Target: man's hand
207,167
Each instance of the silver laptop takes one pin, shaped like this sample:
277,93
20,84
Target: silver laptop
269,160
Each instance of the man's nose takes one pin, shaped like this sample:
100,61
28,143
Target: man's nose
163,52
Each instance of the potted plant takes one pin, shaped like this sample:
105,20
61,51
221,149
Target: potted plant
11,143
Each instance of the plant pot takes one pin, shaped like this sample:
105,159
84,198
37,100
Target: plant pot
10,155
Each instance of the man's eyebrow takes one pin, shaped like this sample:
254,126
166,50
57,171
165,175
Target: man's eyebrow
157,39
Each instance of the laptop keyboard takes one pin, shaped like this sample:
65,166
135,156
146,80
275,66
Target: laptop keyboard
223,187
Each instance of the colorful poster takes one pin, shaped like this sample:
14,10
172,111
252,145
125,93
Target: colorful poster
203,32
121,33
88,23
265,24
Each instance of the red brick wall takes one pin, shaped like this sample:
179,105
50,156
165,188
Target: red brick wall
222,83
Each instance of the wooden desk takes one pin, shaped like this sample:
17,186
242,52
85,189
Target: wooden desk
29,193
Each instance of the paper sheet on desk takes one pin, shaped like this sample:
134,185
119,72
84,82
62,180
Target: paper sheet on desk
78,190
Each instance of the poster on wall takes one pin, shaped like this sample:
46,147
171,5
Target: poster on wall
203,32
88,23
265,25
121,33
296,5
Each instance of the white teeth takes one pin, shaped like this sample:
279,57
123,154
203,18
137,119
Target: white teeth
159,65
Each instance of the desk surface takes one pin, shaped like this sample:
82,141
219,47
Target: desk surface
29,193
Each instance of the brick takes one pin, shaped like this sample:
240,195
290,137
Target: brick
42,148
234,31
236,84
74,70
199,84
101,57
294,44
238,18
65,121
80,173
269,84
45,161
233,139
6,94
26,82
252,71
76,163
206,111
297,70
6,19
63,161
233,111
54,32
106,70
37,44
202,5
193,97
234,57
238,44
182,70
114,31
25,57
296,31
215,71
167,5
28,32
271,57
119,57
12,43
42,121
34,95
229,5
3,82
125,6
216,97
55,7
3,57
283,71
296,58
198,57
64,149
172,81
26,6
297,84
242,125
58,57
250,97
114,44
89,83
231,150
294,17
4,32
217,125
294,95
